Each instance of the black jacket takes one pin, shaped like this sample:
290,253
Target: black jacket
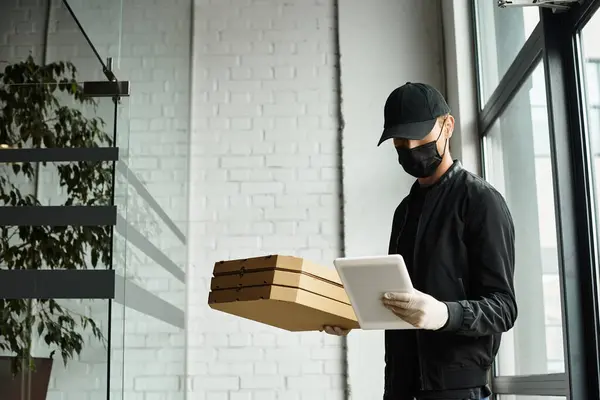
463,256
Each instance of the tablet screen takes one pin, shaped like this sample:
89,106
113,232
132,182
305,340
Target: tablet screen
366,279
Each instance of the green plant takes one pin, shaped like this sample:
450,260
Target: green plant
41,106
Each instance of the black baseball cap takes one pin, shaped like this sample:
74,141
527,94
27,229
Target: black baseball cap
411,111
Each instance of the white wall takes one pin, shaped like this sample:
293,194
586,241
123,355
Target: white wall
264,180
384,44
461,78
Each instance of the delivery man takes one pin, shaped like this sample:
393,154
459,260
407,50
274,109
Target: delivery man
456,235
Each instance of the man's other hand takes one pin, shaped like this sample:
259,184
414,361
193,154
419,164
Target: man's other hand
418,309
336,330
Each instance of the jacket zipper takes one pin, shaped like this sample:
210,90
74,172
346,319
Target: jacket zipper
397,249
417,237
421,384
401,229
421,375
421,380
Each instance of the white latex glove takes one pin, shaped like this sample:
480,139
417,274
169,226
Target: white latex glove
336,330
418,309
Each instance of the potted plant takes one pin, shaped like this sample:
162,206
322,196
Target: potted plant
41,106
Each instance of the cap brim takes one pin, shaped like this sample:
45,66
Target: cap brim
412,131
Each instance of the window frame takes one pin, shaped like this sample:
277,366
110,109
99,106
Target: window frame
555,42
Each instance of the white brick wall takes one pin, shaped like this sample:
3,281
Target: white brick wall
151,48
21,30
264,180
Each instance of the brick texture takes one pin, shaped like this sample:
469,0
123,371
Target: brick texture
264,175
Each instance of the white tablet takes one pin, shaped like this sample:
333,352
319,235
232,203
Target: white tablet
366,280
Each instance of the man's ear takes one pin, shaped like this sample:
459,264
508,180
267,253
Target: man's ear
449,126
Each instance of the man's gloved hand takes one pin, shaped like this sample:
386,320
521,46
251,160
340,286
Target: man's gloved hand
418,309
336,330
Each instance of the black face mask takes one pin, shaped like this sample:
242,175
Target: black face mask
421,161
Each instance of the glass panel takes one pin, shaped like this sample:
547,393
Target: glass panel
523,397
45,377
120,254
67,121
20,31
102,22
519,165
46,115
66,42
591,91
501,33
154,57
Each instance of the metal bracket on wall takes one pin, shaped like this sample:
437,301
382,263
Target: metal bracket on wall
555,5
106,89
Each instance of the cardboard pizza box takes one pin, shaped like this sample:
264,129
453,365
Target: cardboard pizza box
284,278
288,308
280,262
282,291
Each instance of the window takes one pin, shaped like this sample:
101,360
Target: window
501,33
539,119
591,92
592,86
524,397
518,164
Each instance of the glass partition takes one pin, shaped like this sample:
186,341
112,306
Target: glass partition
102,22
120,257
154,56
139,347
64,339
58,155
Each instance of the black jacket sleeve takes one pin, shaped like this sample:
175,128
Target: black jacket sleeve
490,240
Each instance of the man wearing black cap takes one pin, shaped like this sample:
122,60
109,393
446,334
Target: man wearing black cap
456,235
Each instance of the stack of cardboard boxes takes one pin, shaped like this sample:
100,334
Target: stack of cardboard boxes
282,291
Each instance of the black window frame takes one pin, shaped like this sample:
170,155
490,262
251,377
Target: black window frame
555,42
